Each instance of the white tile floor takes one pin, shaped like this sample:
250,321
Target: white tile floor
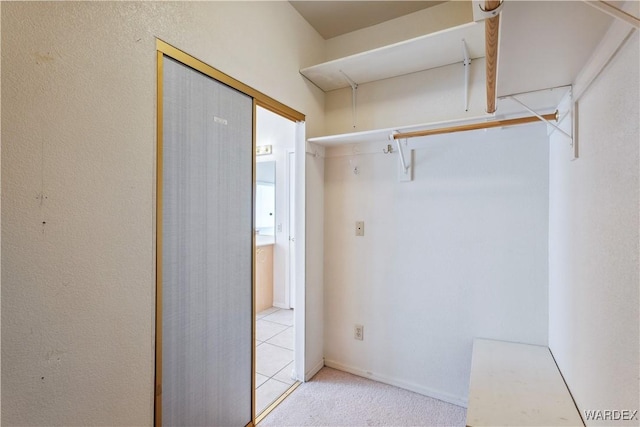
274,355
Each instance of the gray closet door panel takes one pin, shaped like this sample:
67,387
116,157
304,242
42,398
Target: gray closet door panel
207,250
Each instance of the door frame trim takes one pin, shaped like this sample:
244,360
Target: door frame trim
263,100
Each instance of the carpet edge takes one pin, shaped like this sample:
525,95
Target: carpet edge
425,391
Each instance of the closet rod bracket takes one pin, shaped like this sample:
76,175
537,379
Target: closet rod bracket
513,98
488,14
406,164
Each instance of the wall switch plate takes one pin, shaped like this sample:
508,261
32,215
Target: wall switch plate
358,332
359,228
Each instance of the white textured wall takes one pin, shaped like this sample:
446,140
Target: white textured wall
78,127
593,244
458,253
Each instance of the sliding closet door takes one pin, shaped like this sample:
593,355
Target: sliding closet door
207,163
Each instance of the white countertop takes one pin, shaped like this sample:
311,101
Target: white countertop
264,240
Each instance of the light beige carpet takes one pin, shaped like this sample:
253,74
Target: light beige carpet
335,398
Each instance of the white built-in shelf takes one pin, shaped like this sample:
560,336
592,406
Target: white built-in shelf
380,135
517,385
543,101
409,56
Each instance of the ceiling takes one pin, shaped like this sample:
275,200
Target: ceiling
334,18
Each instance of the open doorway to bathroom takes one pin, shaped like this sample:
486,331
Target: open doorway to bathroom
274,260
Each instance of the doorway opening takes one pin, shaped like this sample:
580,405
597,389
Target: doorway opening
274,257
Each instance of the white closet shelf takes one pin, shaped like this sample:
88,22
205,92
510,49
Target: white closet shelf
381,135
544,101
409,56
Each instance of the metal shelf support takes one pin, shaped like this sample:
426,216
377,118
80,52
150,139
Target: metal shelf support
538,116
467,67
354,89
406,163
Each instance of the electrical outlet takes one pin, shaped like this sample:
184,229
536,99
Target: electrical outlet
358,332
359,228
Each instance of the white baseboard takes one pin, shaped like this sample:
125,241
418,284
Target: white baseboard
416,388
280,305
309,374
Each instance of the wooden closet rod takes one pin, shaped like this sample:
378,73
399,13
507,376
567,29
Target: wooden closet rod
491,27
475,126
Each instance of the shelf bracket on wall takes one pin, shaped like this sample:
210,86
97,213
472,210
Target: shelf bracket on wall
354,89
467,66
537,115
559,118
568,108
406,162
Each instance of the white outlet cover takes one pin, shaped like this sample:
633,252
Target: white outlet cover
358,332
